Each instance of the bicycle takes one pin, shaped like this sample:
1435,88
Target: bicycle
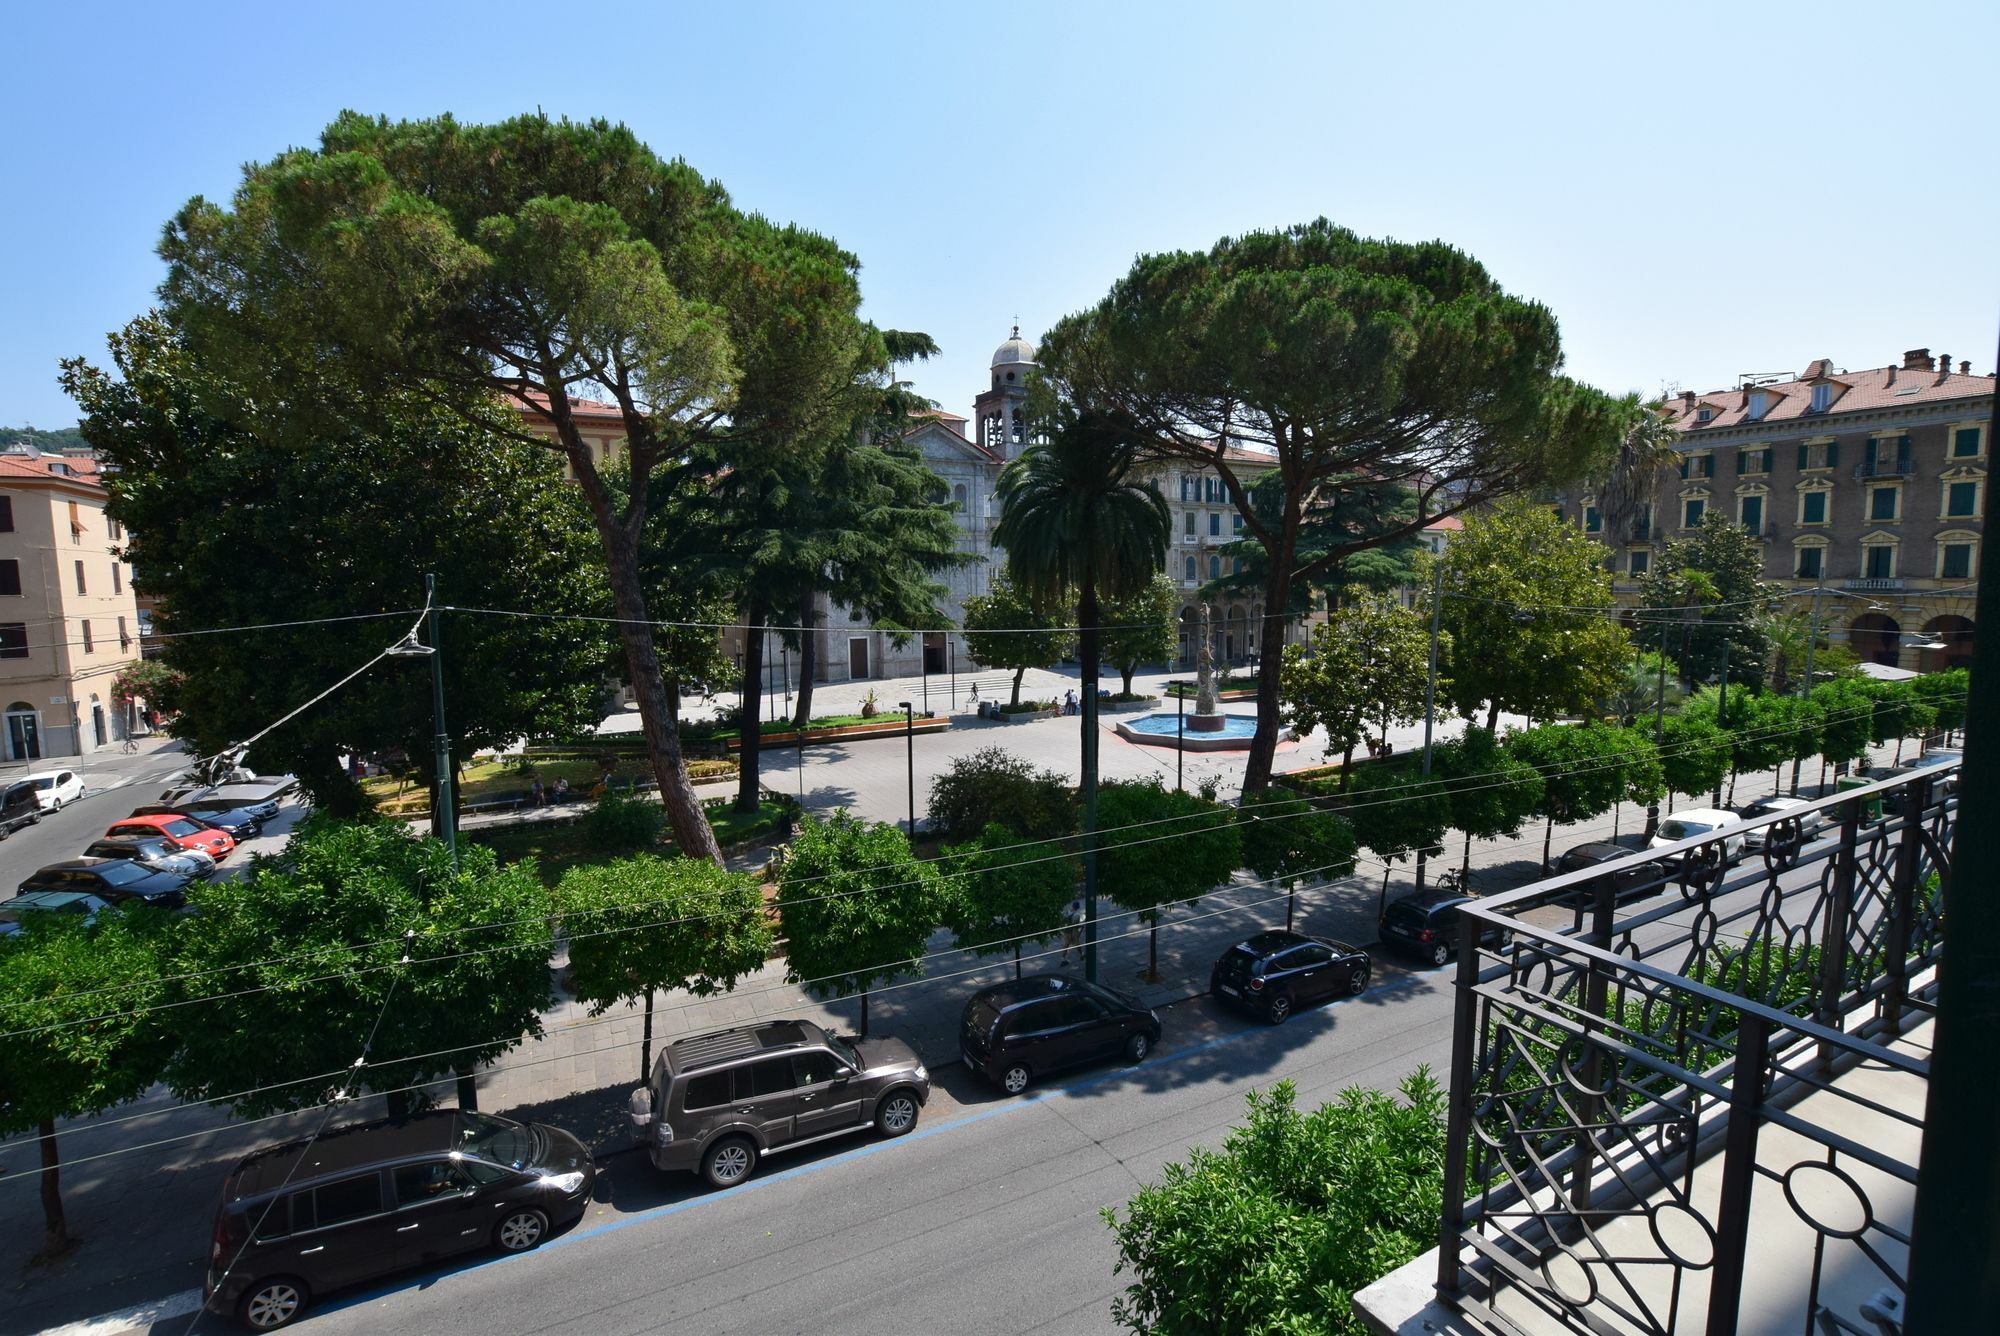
130,746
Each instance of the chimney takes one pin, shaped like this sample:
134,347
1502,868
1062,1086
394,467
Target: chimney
1687,401
1965,368
1816,369
1917,359
1944,363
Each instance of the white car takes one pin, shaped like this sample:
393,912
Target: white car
1810,824
53,788
1678,826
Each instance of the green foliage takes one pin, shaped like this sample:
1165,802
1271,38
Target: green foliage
1714,578
1354,512
1847,718
1341,354
1645,687
1159,846
229,516
1141,628
1528,605
1694,753
287,970
1367,668
857,907
1275,1232
1492,790
1006,892
1946,693
1074,518
1900,712
58,441
153,680
1396,812
1004,628
1287,837
619,822
1585,768
645,923
992,786
1770,729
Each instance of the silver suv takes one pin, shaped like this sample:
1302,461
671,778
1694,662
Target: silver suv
718,1102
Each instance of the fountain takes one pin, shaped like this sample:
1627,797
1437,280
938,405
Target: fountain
1207,729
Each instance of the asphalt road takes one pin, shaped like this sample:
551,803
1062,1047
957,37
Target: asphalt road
983,1220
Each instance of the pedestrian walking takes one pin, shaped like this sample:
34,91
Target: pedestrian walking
1072,933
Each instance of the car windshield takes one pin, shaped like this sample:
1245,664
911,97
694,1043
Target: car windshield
1683,830
45,782
495,1140
122,873
846,1050
182,828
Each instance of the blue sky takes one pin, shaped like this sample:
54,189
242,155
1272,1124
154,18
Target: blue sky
1695,191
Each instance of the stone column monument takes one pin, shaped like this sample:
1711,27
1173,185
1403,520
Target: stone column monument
1206,717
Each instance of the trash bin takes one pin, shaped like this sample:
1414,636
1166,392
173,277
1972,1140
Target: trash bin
1871,808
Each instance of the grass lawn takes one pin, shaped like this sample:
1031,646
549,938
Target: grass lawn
557,847
696,733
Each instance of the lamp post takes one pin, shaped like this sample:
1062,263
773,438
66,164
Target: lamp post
1722,718
910,753
443,820
1180,731
1430,696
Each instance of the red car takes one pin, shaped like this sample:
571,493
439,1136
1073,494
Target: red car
178,831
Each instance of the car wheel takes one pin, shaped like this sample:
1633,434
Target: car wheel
1138,1046
1440,953
728,1162
520,1231
273,1303
1278,1009
1357,981
897,1113
1015,1078
55,804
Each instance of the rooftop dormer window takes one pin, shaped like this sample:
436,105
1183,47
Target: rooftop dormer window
1703,414
1822,397
1760,403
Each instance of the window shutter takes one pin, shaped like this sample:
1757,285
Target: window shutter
1742,462
1902,449
1708,466
1802,459
1833,454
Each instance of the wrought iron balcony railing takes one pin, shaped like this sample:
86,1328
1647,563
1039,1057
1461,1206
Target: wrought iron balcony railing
1687,1011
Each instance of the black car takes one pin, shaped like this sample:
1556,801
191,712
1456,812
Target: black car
1013,1033
1274,972
14,913
1627,883
18,807
113,879
238,823
1426,922
307,1217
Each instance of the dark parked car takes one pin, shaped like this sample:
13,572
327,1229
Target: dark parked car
1274,972
298,1220
156,852
1013,1033
240,823
1426,922
14,913
719,1102
113,879
20,806
1627,883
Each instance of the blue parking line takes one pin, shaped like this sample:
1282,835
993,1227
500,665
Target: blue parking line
785,1175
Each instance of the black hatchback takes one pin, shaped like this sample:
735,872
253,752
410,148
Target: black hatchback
1627,883
1014,1033
1426,922
113,879
310,1216
1275,972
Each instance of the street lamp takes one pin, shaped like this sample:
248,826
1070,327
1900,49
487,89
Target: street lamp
910,752
1180,730
443,820
1430,696
1722,715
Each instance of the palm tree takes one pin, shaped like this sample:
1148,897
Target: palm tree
1074,518
1649,444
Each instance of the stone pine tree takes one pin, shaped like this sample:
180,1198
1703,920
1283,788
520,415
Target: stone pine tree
1005,628
533,263
1356,362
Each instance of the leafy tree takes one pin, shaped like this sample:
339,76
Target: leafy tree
1529,607
1161,847
1287,837
227,519
1585,769
1492,791
357,928
1790,641
80,1004
1946,692
1900,712
637,925
1342,519
1648,445
1007,892
1645,687
1141,628
1356,362
1397,814
534,262
1721,606
1368,665
994,786
1847,719
857,907
1276,1231
622,822
152,680
1005,628
1694,753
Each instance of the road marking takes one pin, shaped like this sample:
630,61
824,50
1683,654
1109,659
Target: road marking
138,1315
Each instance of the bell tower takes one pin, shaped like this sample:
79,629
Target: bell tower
999,410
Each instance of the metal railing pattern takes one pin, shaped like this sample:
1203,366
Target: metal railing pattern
1692,1008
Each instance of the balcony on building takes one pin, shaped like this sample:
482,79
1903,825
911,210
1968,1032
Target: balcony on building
1700,1107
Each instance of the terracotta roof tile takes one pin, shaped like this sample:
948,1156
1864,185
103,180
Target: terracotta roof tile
1790,401
82,470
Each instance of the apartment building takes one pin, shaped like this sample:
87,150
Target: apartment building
1867,487
69,621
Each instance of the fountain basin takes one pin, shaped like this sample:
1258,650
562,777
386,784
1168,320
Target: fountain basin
1224,732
